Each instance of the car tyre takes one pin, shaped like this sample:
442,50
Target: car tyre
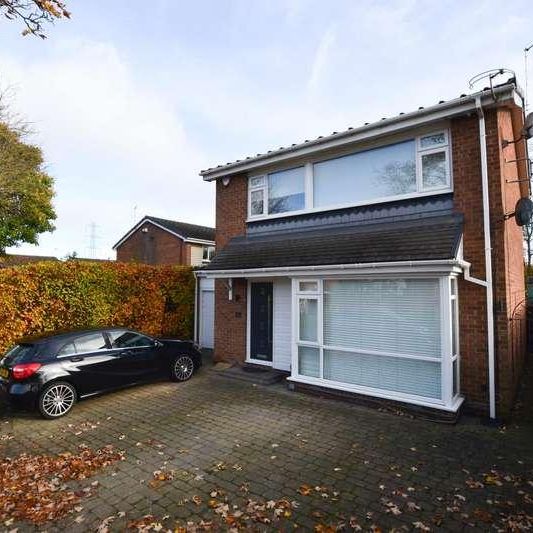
57,400
182,368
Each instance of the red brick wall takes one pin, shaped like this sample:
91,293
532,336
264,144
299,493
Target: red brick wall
509,279
507,260
156,246
472,301
230,321
230,316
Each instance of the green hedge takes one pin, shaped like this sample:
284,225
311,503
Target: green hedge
53,296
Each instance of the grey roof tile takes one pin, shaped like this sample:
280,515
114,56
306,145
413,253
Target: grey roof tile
430,238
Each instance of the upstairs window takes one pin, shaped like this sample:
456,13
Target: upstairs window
208,253
365,176
404,169
279,192
433,161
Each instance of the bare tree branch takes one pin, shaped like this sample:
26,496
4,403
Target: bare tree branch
34,13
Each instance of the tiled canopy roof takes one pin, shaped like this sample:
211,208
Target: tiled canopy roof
430,238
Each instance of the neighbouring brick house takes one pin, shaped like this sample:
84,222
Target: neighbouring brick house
356,261
158,241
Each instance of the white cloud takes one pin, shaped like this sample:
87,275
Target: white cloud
320,59
111,142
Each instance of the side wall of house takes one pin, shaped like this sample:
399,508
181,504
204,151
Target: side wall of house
508,267
155,246
230,315
510,306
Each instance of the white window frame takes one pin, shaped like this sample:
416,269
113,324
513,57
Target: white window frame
261,187
210,253
448,401
442,148
455,354
309,180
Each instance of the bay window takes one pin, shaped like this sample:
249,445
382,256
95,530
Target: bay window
416,166
396,337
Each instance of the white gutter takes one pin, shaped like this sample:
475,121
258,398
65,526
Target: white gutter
488,259
237,273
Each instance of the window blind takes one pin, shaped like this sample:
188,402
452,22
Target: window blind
391,316
308,361
410,376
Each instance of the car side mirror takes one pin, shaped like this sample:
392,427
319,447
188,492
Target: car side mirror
158,344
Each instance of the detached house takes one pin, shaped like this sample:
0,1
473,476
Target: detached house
159,241
382,261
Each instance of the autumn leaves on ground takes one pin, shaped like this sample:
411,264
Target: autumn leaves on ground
35,488
42,489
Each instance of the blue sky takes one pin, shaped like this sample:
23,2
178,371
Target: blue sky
131,99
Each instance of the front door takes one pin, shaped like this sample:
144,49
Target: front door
261,322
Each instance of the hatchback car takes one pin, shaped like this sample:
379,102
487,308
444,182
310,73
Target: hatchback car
52,372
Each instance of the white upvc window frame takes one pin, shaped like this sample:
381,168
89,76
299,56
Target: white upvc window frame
454,325
421,191
441,148
262,186
448,400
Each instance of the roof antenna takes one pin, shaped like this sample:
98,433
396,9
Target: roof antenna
490,74
526,50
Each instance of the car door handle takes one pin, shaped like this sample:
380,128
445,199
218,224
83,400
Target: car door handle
76,358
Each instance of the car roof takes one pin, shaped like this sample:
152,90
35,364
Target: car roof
45,337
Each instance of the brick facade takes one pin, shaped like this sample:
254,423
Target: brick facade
155,246
507,260
230,316
508,266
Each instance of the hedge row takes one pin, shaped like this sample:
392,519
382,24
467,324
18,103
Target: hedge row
53,296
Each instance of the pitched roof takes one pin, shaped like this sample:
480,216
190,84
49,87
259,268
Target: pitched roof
443,109
9,260
182,230
419,239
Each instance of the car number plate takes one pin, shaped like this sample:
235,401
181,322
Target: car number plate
4,373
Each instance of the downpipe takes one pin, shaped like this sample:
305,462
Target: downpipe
487,283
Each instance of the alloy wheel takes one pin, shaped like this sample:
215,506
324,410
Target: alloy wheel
58,400
183,368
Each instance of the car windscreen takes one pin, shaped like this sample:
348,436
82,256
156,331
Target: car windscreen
18,353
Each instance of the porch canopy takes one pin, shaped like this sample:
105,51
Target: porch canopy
420,239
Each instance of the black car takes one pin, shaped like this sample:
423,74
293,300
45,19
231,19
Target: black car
52,372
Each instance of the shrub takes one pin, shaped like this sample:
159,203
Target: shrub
53,296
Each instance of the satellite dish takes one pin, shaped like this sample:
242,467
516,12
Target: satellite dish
523,211
527,130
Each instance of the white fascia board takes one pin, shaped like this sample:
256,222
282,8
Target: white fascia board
437,267
200,241
396,124
137,226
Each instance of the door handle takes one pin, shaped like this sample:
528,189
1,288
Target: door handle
76,358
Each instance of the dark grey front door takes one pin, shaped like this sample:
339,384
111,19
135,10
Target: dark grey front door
261,322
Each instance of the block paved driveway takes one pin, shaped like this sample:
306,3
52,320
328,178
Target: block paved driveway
337,465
